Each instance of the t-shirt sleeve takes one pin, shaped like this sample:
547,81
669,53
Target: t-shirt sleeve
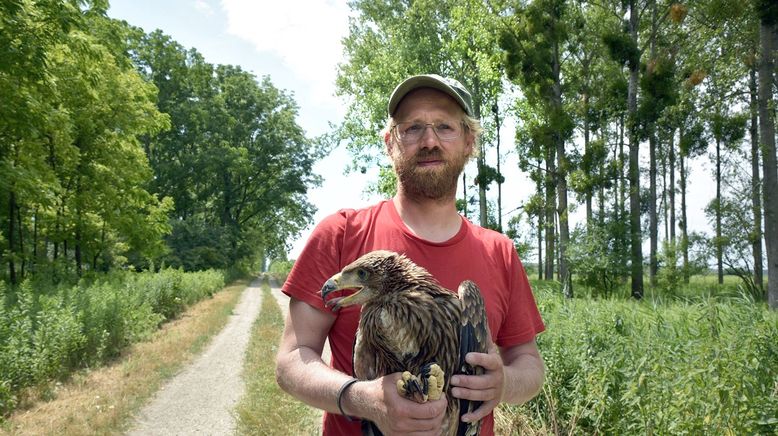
523,321
318,261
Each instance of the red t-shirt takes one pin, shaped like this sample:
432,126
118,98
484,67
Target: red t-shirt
484,256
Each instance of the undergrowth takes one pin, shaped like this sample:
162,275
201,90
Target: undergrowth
48,331
680,366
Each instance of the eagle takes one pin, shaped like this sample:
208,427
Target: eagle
409,323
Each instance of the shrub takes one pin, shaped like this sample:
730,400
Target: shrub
279,270
595,256
46,332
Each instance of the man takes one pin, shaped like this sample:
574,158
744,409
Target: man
430,136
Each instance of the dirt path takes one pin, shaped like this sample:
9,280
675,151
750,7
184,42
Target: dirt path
200,400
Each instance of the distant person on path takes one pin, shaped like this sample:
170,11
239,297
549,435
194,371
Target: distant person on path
430,136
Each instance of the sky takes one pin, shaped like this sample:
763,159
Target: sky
297,43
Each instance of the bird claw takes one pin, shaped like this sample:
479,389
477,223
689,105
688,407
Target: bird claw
428,385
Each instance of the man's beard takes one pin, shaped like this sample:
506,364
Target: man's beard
434,183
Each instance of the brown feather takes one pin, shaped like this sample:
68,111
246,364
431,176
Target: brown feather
408,321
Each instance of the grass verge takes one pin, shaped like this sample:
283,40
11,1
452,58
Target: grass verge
265,409
102,401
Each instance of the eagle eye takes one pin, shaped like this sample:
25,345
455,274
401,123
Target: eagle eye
362,274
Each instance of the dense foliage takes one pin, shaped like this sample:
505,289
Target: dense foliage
235,162
120,148
703,366
612,101
47,331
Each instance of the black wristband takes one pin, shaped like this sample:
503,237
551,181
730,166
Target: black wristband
340,397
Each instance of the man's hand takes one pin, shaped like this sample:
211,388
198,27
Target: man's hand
487,387
379,401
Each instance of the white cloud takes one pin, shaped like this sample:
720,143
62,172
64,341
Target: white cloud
203,7
305,34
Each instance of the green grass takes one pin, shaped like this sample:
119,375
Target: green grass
702,365
265,409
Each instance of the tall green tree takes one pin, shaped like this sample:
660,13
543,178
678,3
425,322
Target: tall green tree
756,179
624,48
727,131
236,162
75,172
28,32
389,41
535,40
767,11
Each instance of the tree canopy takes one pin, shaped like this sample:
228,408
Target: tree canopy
123,149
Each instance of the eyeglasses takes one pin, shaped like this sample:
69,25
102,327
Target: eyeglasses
410,133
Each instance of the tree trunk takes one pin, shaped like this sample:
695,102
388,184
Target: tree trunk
682,223
621,207
78,236
664,210
20,231
589,214
565,274
717,244
541,222
636,238
35,220
483,211
671,159
499,181
79,224
756,185
601,199
549,220
653,216
11,231
564,230
769,166
464,193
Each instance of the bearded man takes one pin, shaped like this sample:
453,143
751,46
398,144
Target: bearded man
430,136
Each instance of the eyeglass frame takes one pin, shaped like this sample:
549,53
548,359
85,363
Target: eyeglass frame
426,126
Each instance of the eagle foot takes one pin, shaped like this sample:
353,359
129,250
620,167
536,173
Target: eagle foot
428,385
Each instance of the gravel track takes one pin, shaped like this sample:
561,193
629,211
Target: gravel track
200,400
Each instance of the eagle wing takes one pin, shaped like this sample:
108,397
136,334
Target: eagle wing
473,337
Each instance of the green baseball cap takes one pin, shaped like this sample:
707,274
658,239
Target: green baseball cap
449,86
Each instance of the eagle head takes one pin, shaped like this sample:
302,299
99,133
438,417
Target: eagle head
375,274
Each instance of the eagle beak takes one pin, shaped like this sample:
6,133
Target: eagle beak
336,283
330,286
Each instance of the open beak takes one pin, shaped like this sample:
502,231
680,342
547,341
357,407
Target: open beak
338,282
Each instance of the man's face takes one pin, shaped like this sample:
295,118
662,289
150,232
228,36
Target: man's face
429,168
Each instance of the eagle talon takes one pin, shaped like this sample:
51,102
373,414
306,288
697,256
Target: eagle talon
428,385
410,387
435,380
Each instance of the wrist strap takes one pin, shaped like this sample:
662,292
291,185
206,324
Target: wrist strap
340,397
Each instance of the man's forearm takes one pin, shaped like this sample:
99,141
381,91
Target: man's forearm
302,374
523,377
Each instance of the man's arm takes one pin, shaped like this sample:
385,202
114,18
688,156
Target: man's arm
515,375
301,372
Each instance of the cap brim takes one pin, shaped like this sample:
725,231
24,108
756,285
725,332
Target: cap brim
416,82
